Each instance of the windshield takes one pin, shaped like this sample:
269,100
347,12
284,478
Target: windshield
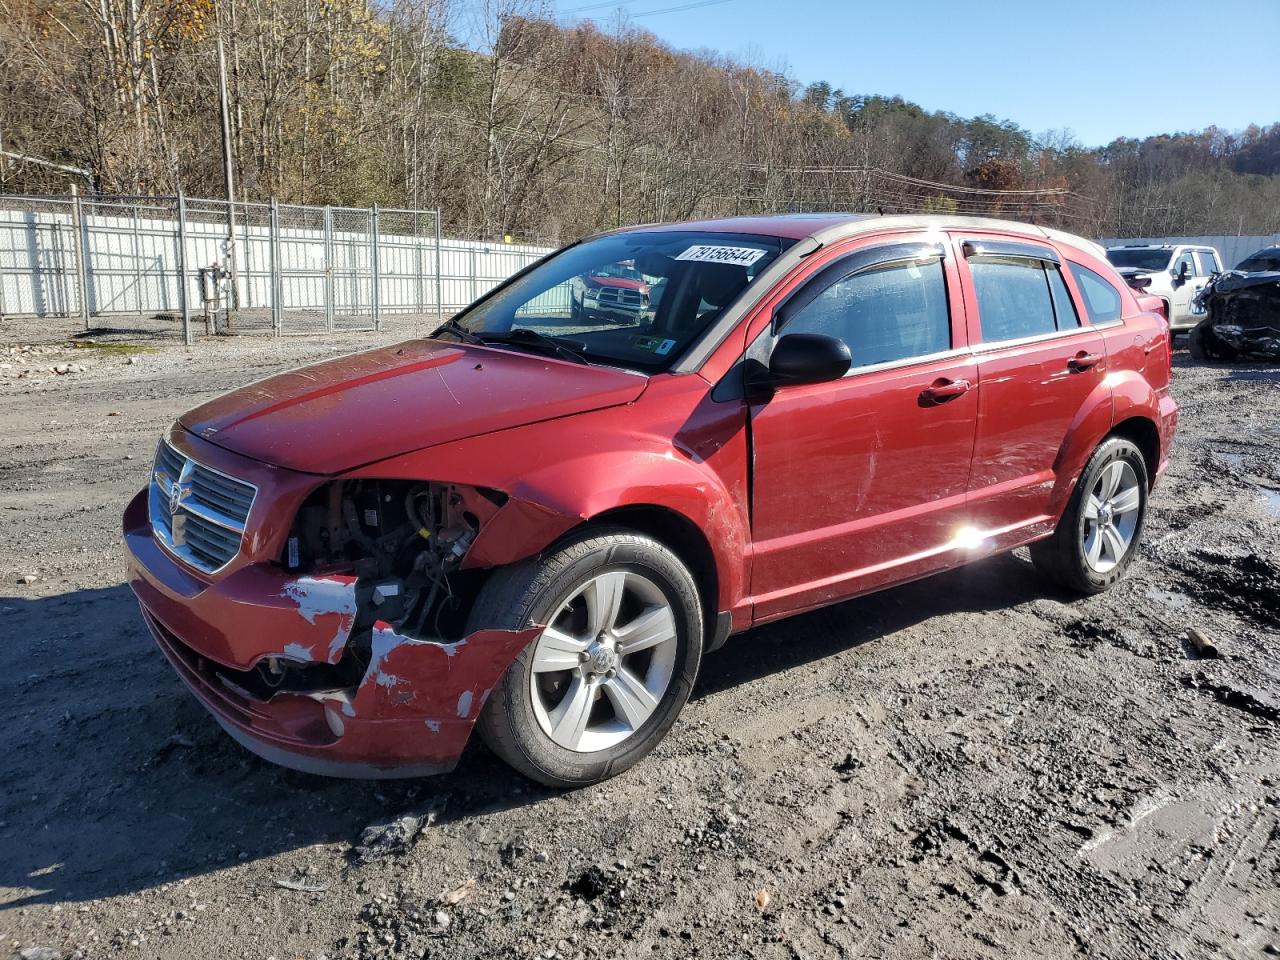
629,299
1264,261
1141,258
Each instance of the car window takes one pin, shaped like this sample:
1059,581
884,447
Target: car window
1140,258
1101,300
1063,309
889,312
1014,298
1187,259
635,299
1263,261
1208,263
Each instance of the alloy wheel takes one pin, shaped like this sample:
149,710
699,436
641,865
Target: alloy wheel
604,662
1111,513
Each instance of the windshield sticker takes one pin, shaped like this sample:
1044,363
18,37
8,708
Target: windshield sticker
653,345
707,253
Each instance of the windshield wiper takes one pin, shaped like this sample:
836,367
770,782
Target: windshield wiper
461,332
523,335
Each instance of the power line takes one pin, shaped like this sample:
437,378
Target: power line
615,4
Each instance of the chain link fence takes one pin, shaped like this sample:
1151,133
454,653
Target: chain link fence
187,267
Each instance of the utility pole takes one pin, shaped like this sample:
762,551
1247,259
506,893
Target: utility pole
228,177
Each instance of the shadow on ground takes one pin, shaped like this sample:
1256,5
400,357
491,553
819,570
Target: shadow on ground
121,781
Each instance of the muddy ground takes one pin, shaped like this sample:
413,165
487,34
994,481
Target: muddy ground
970,766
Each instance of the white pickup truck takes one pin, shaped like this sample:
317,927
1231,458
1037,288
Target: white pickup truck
1177,273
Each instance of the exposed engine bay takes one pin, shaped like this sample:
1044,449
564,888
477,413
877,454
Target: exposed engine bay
403,542
1242,316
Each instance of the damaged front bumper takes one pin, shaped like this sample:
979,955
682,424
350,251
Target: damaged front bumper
408,712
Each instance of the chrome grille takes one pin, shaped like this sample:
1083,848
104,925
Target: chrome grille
197,513
620,297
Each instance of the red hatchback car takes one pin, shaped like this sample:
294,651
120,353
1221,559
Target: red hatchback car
538,522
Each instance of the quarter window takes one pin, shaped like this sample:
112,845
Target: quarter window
1101,300
884,313
1016,298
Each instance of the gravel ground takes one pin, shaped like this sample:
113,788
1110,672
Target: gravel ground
969,766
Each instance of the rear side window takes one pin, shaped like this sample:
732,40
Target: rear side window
1208,263
1015,298
1101,299
895,311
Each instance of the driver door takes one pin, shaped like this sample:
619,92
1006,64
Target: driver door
861,482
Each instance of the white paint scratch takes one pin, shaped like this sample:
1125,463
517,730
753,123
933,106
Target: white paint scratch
296,651
317,597
464,704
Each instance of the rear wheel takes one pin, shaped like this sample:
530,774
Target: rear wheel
1206,346
609,674
1101,528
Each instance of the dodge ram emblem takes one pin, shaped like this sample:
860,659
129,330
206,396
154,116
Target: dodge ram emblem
176,493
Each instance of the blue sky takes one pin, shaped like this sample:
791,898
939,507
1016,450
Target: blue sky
1100,69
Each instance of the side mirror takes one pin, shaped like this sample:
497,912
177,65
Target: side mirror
800,358
1184,270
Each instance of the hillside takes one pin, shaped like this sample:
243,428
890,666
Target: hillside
547,131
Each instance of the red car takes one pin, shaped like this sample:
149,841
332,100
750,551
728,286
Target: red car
540,528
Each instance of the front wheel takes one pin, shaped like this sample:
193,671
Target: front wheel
1206,346
1101,528
613,667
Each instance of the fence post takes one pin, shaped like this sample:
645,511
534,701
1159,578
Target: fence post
328,268
417,254
374,293
137,263
183,298
277,284
474,276
82,268
439,270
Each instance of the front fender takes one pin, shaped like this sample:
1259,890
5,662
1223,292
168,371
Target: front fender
673,449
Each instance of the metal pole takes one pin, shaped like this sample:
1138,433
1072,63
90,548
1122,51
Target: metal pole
277,286
374,293
474,277
137,264
82,268
328,268
182,269
439,269
417,250
228,176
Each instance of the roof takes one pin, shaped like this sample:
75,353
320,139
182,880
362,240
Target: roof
829,227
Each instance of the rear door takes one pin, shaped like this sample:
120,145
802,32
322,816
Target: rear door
1038,365
861,482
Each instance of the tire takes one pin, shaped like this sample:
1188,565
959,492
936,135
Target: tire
529,718
1205,345
1087,564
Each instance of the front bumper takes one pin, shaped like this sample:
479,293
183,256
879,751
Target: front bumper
410,714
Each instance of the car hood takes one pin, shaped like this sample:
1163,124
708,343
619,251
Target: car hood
625,283
355,410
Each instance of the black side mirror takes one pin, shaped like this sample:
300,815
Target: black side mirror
799,358
1184,269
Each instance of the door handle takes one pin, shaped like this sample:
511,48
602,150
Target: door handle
1083,361
942,390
